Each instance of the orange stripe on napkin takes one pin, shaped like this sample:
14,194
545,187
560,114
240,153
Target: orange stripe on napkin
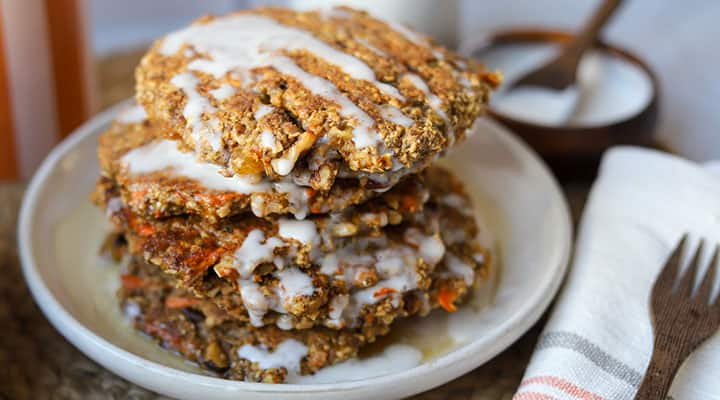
561,384
533,396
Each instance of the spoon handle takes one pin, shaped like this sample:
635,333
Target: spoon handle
586,37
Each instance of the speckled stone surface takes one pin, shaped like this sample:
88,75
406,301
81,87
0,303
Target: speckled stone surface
38,363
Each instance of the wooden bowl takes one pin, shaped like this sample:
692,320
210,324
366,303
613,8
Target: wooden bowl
575,150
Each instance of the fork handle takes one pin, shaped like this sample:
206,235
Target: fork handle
664,364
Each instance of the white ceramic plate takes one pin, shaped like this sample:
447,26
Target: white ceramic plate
518,202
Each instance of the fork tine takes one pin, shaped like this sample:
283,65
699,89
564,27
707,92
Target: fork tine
666,279
685,286
705,290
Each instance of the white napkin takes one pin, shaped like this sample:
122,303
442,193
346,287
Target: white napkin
598,340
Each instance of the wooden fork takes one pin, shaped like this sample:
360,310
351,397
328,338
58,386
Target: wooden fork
681,320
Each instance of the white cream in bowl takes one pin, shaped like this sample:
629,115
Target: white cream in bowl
609,88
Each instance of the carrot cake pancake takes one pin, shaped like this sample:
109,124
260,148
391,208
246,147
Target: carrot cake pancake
204,334
324,94
157,179
299,274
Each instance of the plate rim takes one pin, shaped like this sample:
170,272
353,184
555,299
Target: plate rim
445,368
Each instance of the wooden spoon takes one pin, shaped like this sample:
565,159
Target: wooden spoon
560,72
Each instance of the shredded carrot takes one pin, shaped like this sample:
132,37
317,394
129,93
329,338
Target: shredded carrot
494,78
163,331
138,195
146,230
180,302
383,291
446,298
409,203
131,281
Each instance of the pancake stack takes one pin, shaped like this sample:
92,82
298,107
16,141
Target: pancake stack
273,194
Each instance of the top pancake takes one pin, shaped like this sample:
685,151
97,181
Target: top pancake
321,94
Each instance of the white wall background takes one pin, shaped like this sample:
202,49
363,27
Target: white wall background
680,39
118,25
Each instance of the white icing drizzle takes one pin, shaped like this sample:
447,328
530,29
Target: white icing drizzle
132,115
438,54
254,251
263,110
223,92
329,264
454,200
114,205
395,115
293,283
330,11
304,232
395,265
163,155
210,67
454,235
267,140
346,264
431,248
465,82
364,133
285,322
458,267
434,101
195,107
393,286
458,203
283,165
391,262
372,48
288,354
297,197
255,301
257,41
132,310
337,307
